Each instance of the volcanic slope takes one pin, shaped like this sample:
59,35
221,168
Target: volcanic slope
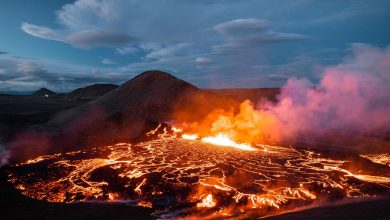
89,92
148,98
126,113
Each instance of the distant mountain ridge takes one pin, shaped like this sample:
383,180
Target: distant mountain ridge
43,92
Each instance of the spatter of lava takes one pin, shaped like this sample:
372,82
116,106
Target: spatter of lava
191,177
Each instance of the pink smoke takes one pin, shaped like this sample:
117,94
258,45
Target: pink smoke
351,97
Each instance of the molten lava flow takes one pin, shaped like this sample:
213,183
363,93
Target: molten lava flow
383,159
112,196
145,204
207,202
224,140
190,136
178,175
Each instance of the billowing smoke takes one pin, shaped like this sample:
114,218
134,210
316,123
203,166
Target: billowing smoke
4,155
352,97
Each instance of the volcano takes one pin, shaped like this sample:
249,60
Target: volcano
160,143
125,113
43,92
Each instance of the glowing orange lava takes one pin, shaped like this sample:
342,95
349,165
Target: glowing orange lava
171,171
207,202
383,158
190,136
145,204
223,140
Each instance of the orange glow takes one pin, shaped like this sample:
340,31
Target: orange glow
207,202
112,196
272,179
145,204
190,136
176,130
383,159
227,128
230,129
223,140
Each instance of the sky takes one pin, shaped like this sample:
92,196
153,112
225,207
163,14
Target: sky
63,45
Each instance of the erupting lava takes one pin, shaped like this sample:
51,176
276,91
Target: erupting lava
186,175
190,136
220,140
224,140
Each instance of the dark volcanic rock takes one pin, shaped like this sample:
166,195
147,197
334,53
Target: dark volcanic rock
43,92
90,92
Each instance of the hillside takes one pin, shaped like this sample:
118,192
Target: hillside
89,92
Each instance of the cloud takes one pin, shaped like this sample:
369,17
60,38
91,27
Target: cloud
161,52
24,74
98,38
240,27
30,68
203,61
249,34
127,50
277,77
234,35
108,61
3,52
41,32
161,31
89,38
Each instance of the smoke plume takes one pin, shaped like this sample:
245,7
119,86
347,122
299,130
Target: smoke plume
351,98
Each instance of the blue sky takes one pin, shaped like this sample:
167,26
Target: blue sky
63,45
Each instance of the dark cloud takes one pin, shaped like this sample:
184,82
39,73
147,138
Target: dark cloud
98,38
3,52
